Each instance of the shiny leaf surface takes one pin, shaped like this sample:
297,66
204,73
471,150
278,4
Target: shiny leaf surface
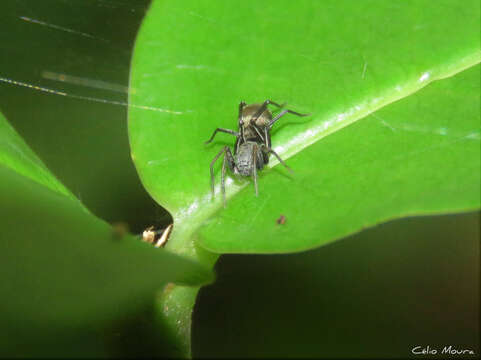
420,155
340,61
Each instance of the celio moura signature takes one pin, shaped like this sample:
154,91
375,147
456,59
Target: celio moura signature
451,350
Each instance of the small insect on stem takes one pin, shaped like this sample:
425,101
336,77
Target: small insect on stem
252,146
158,238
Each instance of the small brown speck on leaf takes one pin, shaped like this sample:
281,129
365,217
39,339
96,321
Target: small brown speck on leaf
281,220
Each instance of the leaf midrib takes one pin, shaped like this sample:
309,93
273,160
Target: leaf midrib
329,124
324,125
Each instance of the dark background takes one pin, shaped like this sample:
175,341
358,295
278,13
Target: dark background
379,293
84,143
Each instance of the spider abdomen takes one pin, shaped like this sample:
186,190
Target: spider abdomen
245,160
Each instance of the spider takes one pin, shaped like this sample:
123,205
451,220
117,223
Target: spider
252,147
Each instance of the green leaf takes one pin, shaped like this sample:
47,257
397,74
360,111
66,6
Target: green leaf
54,102
420,155
194,61
340,61
16,155
62,268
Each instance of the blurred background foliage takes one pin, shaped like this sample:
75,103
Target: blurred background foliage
84,143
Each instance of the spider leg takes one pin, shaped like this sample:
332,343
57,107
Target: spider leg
281,114
222,180
254,167
229,160
228,131
256,128
212,178
239,120
270,151
266,145
267,138
264,107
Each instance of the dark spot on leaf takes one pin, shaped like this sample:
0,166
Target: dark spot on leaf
281,220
